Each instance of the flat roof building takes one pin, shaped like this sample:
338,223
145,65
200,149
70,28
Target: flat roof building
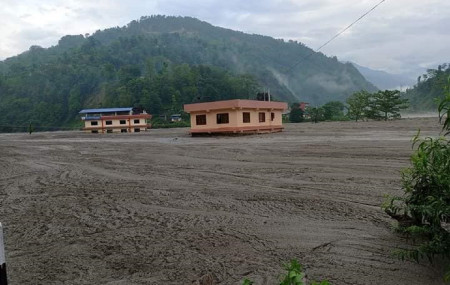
236,116
115,120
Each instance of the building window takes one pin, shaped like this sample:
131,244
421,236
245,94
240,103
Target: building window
262,117
94,123
222,118
123,122
137,130
246,117
200,120
94,131
109,131
272,116
108,123
137,121
123,130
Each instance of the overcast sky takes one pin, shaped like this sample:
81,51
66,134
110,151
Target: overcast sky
400,36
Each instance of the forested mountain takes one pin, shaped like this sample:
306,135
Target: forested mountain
161,63
429,87
384,80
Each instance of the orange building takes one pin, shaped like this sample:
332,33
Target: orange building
114,120
236,116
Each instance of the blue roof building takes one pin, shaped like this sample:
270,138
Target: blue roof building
105,110
113,120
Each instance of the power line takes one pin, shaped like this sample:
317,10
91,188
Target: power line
335,36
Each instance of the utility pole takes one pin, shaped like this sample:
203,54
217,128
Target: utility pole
3,279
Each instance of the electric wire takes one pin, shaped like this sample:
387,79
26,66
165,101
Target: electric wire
335,36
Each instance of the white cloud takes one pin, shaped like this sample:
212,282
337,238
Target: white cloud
399,36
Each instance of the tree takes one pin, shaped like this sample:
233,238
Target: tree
316,114
125,98
108,71
358,104
30,128
151,102
176,106
387,104
128,72
74,101
296,114
333,110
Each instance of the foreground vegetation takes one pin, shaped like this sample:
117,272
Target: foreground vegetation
423,212
293,276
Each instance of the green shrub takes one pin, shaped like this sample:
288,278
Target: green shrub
423,212
293,276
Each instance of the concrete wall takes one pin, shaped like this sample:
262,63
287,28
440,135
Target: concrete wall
211,119
116,126
254,118
236,119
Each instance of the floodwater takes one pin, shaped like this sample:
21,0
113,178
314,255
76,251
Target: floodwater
161,207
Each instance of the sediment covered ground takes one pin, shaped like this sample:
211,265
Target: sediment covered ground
163,208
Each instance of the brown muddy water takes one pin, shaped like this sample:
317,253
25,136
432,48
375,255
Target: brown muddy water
163,208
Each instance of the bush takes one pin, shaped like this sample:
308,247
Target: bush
293,276
423,211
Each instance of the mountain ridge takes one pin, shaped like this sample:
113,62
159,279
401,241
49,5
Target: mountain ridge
91,67
430,89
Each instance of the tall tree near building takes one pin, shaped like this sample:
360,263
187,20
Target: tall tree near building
296,114
333,110
358,104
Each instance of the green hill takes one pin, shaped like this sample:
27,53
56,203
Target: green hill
161,63
429,88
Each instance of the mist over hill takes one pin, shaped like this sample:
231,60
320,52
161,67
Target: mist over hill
385,80
161,63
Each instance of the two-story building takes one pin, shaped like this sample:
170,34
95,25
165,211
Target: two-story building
115,120
236,116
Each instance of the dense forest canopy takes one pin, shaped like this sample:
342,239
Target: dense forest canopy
161,63
429,88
